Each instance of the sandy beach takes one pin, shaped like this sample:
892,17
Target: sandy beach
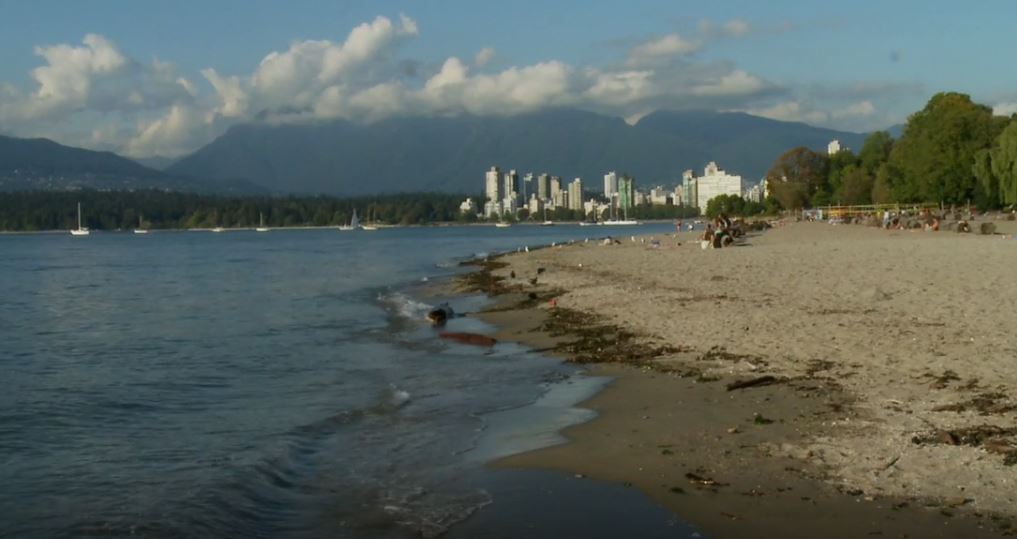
886,362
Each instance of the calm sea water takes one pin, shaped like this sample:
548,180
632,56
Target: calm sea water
187,384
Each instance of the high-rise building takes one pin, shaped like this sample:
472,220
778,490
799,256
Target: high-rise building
689,195
715,182
576,194
492,183
511,186
526,187
833,147
544,186
610,184
626,192
556,191
536,206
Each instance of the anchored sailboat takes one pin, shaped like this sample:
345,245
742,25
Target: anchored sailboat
354,222
261,225
141,226
370,222
80,231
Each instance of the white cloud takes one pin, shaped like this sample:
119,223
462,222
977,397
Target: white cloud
661,49
1005,109
736,28
483,57
860,109
151,109
790,111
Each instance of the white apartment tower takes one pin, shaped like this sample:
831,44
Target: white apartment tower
492,181
715,182
833,147
576,194
511,188
610,184
544,186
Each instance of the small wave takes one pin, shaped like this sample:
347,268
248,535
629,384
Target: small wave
403,305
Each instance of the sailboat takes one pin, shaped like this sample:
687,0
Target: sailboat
140,229
261,225
370,221
80,231
354,222
614,221
546,222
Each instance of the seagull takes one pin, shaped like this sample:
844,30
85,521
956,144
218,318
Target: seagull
526,248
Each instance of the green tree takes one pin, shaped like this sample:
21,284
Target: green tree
933,160
875,151
1004,164
797,175
856,188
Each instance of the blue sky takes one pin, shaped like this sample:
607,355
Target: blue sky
163,78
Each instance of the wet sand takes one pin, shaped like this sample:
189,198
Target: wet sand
887,418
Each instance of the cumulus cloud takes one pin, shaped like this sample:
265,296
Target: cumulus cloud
1005,109
483,57
661,50
151,109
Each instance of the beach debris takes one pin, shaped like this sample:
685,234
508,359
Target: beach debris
733,430
468,338
703,481
991,438
540,270
988,403
512,274
758,419
987,229
533,281
440,314
676,490
753,382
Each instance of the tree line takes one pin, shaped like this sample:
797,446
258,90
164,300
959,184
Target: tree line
953,151
113,210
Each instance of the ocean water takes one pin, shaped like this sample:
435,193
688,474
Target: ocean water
186,384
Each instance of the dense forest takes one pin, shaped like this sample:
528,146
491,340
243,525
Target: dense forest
953,151
112,210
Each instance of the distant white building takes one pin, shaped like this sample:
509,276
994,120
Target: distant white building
610,184
511,187
468,206
492,209
492,181
536,204
659,196
715,182
544,186
556,192
576,194
755,192
833,147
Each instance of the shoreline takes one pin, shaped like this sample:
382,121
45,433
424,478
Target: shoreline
668,426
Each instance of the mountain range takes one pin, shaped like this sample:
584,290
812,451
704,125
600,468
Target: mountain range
452,153
444,154
41,164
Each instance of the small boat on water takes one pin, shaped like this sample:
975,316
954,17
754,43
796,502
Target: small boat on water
620,222
547,223
261,225
80,231
502,224
141,226
218,229
370,226
354,222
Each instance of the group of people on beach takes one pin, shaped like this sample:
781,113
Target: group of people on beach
718,234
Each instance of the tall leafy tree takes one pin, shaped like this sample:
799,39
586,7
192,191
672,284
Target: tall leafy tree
875,151
933,159
796,176
1004,164
856,187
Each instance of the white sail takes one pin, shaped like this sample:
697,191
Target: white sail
80,231
354,221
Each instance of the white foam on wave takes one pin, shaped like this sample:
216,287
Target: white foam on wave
405,306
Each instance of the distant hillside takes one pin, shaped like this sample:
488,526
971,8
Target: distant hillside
31,164
451,153
156,162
